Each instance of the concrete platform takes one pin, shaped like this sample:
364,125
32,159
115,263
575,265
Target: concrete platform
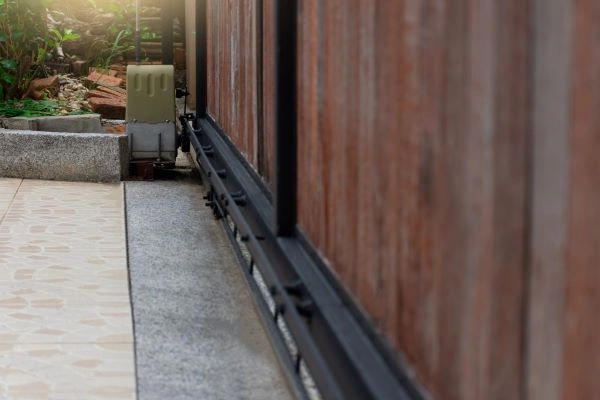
62,156
197,333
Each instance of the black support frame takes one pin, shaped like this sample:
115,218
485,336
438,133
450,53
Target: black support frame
336,347
286,14
345,356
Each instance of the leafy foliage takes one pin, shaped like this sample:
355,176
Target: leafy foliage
56,38
7,78
22,33
25,43
34,108
121,32
28,108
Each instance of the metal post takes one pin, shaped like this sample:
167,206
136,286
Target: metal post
286,14
167,32
201,59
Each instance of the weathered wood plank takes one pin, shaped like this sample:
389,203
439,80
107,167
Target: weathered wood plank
447,175
268,75
437,133
582,350
549,204
232,72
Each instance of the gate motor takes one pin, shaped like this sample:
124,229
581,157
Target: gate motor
151,114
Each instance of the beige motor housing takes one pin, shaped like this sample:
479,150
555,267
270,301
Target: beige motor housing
151,112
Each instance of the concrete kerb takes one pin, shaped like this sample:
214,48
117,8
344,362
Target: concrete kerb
85,123
94,157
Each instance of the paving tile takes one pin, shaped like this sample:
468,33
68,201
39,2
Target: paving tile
69,274
8,185
65,372
3,208
37,312
65,314
8,189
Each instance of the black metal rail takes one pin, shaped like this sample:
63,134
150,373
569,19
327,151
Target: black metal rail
336,347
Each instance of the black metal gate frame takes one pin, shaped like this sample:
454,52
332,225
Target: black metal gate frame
345,356
340,349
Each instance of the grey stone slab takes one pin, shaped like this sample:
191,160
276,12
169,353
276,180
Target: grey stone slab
85,123
196,331
63,156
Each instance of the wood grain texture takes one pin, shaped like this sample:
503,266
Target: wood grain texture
232,71
244,113
190,51
563,354
549,203
267,144
447,174
413,124
582,350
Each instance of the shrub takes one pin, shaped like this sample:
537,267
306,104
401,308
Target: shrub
23,30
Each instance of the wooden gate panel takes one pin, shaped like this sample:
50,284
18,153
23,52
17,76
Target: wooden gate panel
412,177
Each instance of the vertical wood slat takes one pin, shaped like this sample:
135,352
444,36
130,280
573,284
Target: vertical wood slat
233,70
190,52
410,226
233,78
550,125
563,352
510,197
582,352
267,146
309,157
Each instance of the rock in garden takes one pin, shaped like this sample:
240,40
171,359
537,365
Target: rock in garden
41,88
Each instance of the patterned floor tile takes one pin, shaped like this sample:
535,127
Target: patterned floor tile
65,372
9,185
3,208
8,190
16,268
65,313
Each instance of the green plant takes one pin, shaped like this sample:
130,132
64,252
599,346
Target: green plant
121,32
23,31
36,108
7,78
117,49
28,108
26,43
56,38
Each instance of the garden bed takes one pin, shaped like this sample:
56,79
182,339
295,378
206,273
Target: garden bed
68,111
60,57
